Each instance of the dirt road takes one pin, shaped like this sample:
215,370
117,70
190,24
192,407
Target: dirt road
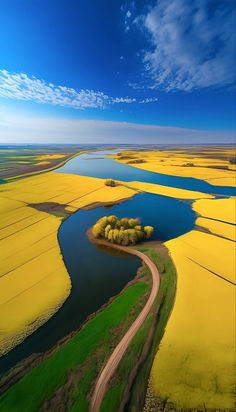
119,351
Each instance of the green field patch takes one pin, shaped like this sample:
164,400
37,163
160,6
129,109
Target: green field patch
102,332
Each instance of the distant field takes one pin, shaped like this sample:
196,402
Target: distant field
15,162
215,165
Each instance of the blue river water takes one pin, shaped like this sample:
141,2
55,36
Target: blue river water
104,167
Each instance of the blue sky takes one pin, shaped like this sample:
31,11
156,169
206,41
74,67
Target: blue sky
115,71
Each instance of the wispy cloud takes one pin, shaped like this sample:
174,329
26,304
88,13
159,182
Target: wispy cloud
149,100
192,44
22,128
20,86
124,100
128,9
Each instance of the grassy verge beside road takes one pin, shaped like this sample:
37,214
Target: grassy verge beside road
128,386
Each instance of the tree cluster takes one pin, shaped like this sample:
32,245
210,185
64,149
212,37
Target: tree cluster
110,182
123,231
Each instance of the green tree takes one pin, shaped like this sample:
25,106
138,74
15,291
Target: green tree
97,230
148,231
133,222
107,230
138,227
132,236
124,222
112,220
125,240
121,231
110,182
110,235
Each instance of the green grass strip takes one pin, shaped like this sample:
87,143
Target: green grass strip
29,394
164,302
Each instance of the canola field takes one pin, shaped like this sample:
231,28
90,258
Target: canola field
31,260
215,166
34,282
169,191
194,367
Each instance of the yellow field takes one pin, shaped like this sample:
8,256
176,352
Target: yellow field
225,230
194,367
219,217
50,156
34,282
169,191
176,163
43,163
222,209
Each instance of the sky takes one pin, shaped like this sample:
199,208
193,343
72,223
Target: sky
102,71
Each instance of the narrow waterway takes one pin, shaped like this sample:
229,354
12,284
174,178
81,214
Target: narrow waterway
104,167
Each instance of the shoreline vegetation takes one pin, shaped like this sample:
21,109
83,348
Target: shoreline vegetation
127,387
133,332
130,388
124,231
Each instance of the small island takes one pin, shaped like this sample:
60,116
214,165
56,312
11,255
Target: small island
124,231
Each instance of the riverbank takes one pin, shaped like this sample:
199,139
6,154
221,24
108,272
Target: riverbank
213,165
191,362
120,350
68,374
30,235
127,389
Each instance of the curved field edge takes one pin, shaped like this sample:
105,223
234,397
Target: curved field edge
194,368
127,389
69,373
40,203
215,168
32,210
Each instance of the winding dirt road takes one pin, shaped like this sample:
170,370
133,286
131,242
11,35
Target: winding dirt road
119,351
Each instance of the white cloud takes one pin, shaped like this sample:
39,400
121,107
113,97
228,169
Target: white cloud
20,86
149,100
23,128
192,44
125,100
128,13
